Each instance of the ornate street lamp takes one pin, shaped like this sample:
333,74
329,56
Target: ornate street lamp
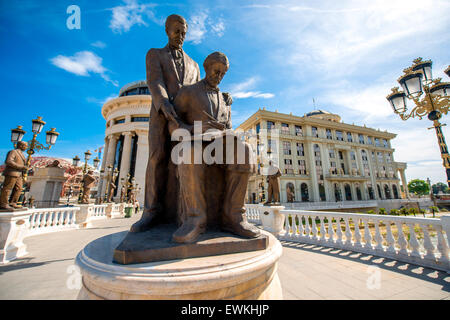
75,161
431,98
33,145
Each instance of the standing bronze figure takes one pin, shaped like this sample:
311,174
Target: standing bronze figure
168,69
88,182
204,103
112,188
273,177
13,173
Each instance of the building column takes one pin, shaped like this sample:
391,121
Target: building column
141,163
405,185
125,161
103,166
112,145
372,175
359,161
314,192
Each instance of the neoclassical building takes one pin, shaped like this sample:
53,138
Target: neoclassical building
126,136
323,159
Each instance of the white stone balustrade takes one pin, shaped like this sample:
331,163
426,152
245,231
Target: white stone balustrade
252,212
51,219
394,237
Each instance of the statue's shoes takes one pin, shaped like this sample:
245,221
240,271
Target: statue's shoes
243,229
187,233
15,206
6,207
146,223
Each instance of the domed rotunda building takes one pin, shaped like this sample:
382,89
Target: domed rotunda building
126,137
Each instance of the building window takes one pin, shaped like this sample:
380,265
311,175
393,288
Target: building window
315,133
302,166
329,136
288,166
380,157
377,142
270,125
298,131
361,138
258,128
284,128
349,137
352,155
117,121
300,150
385,143
331,153
388,158
140,119
341,156
369,140
322,192
318,162
339,135
304,192
287,148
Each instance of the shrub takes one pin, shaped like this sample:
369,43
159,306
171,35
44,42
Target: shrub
404,211
413,211
371,212
434,209
382,211
394,212
423,211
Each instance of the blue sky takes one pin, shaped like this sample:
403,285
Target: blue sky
344,54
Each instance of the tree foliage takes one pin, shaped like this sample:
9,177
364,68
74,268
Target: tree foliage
419,187
440,186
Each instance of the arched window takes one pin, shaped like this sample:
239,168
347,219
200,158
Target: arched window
358,193
371,193
387,192
290,192
379,191
322,192
394,188
304,191
348,192
337,192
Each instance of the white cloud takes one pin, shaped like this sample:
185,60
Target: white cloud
83,63
242,90
201,23
99,44
101,101
130,14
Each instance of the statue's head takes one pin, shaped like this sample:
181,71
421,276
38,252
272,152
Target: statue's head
176,28
22,145
90,172
216,65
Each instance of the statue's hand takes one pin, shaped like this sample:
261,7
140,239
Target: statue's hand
169,112
213,125
228,98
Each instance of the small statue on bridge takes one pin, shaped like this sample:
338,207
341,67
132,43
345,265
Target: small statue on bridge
88,182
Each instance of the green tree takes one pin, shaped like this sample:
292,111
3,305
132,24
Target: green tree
440,186
419,187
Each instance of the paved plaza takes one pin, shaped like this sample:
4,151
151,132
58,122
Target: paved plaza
305,271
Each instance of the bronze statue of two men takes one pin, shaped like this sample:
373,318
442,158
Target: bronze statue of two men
182,101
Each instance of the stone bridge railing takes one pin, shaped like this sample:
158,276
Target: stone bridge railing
420,241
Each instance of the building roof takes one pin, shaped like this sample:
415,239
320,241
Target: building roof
132,85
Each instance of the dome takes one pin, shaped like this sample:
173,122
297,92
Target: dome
324,115
133,88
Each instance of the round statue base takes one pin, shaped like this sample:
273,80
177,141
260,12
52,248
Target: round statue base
247,275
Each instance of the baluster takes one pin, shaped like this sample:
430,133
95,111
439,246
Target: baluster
60,218
308,228
442,246
367,235
427,244
43,219
339,232
287,227
413,241
330,230
32,222
314,228
348,232
378,237
323,230
294,226
401,239
357,233
300,226
390,239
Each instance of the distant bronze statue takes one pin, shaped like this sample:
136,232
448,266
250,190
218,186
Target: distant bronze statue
112,187
122,194
168,69
203,102
88,183
273,177
13,173
132,196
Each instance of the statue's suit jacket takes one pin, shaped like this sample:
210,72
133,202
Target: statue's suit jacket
15,161
164,82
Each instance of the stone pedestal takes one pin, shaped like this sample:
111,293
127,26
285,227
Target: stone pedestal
84,215
247,275
46,186
114,210
272,219
13,228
